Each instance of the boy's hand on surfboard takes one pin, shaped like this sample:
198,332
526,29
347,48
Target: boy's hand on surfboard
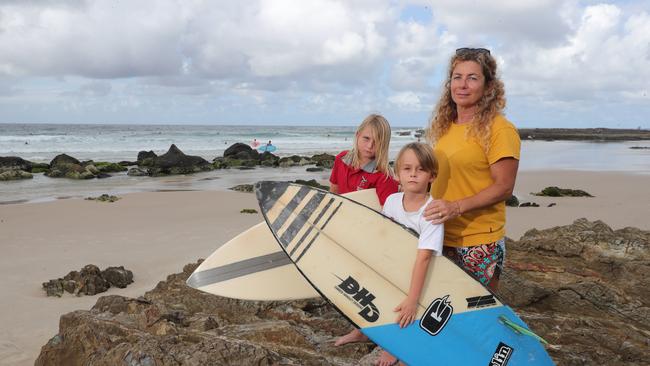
406,309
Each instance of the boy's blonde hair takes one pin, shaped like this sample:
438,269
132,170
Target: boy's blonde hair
424,154
381,134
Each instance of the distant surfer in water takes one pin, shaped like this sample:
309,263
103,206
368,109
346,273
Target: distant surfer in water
478,150
366,165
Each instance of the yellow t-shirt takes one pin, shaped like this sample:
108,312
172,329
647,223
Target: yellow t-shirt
463,171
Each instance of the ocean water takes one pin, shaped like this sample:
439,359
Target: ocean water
42,142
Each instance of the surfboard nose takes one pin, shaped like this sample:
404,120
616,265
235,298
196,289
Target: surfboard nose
268,192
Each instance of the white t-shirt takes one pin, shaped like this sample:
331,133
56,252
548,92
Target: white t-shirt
431,236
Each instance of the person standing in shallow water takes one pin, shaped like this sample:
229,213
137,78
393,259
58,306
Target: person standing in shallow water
478,151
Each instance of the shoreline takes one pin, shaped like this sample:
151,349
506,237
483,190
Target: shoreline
154,234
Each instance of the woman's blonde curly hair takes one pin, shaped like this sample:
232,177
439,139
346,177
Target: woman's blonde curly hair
492,103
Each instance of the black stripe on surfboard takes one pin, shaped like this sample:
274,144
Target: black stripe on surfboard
238,269
311,227
301,218
316,236
289,208
268,192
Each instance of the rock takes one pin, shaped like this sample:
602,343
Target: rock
174,161
315,169
227,163
582,287
66,166
13,163
324,160
529,204
137,172
248,211
103,198
562,192
513,201
89,281
53,288
268,159
118,276
106,167
293,160
15,175
177,325
248,188
146,158
241,151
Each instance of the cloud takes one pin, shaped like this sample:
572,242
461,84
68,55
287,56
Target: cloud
315,57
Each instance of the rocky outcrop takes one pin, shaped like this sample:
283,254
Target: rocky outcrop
323,160
582,287
12,163
562,192
241,151
89,281
15,175
174,161
145,158
177,325
14,168
584,134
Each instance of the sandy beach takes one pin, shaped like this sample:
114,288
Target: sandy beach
155,234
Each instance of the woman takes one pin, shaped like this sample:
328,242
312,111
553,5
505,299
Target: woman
478,155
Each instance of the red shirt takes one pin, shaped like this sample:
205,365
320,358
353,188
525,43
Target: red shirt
349,179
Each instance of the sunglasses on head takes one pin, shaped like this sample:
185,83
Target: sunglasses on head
466,50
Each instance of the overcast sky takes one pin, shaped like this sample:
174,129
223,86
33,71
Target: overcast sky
309,62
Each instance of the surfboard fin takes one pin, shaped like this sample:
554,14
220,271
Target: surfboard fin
519,329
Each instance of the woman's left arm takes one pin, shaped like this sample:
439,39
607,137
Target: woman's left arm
504,174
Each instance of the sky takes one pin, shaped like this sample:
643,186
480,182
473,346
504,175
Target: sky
316,62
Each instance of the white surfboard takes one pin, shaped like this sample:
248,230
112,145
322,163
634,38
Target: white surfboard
251,266
361,261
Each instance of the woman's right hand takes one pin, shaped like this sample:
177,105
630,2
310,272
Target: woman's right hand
439,211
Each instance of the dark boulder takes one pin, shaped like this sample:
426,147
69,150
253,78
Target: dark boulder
8,163
294,160
146,158
174,161
118,276
562,192
324,160
65,166
241,151
89,281
513,201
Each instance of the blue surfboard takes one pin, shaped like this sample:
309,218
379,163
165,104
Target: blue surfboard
361,262
267,147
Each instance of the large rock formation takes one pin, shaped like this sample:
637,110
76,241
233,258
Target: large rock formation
177,325
13,168
583,287
64,165
174,161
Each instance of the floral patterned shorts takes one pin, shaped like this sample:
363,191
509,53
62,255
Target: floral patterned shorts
484,261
